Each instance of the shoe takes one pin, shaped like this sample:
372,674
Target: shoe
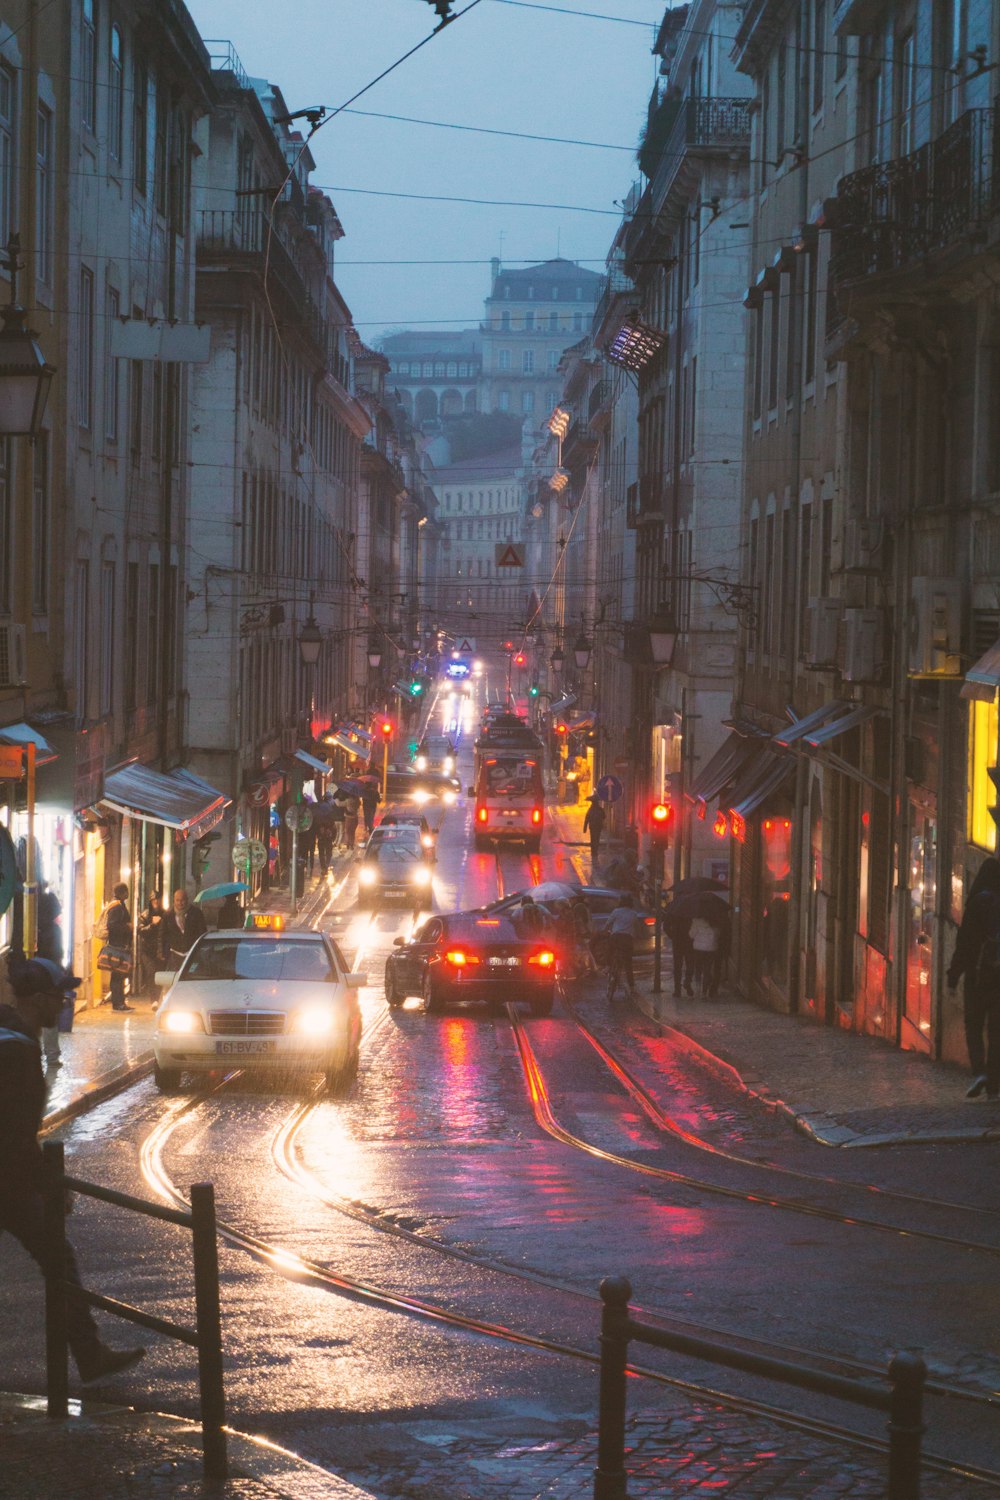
108,1362
976,1087
120,1010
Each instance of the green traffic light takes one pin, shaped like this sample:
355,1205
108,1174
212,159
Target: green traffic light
416,688
533,691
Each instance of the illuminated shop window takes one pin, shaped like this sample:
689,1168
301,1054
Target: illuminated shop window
983,725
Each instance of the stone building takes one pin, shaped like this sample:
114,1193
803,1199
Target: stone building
435,375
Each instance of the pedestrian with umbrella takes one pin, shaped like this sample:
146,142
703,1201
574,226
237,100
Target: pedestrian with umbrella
325,823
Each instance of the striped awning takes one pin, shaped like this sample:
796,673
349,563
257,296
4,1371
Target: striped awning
174,799
983,677
726,764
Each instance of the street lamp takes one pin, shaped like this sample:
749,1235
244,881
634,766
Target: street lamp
25,375
581,652
310,642
556,660
662,637
374,653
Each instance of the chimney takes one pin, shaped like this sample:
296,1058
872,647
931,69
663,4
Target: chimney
494,269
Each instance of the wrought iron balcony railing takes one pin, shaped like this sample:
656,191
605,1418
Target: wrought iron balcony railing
242,236
702,124
600,395
894,214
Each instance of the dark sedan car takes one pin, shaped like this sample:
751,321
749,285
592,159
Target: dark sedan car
405,784
466,956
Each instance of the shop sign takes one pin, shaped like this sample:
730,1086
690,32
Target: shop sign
249,852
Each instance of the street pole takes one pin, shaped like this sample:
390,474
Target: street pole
658,927
30,908
295,869
385,764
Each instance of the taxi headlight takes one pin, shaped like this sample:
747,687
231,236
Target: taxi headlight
368,875
421,875
314,1020
180,1021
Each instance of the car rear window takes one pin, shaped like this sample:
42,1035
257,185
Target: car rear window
492,929
240,958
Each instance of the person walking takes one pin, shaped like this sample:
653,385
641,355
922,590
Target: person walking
621,931
677,927
40,988
48,944
325,824
370,799
351,808
704,937
593,824
183,925
119,925
150,926
976,961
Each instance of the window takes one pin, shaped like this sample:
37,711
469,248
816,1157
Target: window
140,126
527,401
40,547
6,529
772,352
154,646
452,370
116,93
503,400
527,361
791,333
108,643
503,359
135,414
905,79
161,149
439,369
505,320
88,66
554,322
577,322
780,102
131,634
85,350
811,308
463,369
840,65
428,371
551,400
8,150
529,321
819,53
43,195
81,638
112,307
555,355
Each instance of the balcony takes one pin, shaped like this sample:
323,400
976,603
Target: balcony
599,400
651,491
632,506
701,125
893,215
618,297
240,237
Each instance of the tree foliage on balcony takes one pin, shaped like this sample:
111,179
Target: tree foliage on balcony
654,137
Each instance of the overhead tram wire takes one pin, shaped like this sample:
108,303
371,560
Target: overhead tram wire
315,126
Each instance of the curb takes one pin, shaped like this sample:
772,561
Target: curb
104,1087
818,1129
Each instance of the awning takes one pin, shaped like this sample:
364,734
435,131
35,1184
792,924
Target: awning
859,714
802,728
175,799
582,722
560,705
764,775
727,762
320,767
342,741
983,677
22,735
354,731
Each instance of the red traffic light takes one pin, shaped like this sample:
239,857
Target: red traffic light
386,729
561,728
508,645
661,813
519,659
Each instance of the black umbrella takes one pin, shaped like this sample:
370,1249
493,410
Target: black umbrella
349,788
714,909
695,884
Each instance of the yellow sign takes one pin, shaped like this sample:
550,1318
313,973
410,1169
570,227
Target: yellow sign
266,921
11,762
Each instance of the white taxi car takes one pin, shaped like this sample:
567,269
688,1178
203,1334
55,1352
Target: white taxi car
269,1000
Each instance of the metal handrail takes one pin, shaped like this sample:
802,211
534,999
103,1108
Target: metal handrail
206,1336
902,1398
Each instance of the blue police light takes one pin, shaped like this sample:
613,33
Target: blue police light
457,669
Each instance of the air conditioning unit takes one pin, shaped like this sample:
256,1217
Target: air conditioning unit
13,662
289,741
862,659
935,627
822,632
864,546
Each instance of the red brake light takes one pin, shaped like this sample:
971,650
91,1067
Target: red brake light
545,958
459,959
481,814
536,814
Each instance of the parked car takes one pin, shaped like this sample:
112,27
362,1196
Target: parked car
471,956
394,866
266,1000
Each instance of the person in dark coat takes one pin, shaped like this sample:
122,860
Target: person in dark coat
48,944
230,913
370,800
183,926
980,992
40,988
676,924
325,822
119,920
150,924
593,824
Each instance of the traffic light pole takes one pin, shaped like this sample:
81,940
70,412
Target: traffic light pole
658,926
385,764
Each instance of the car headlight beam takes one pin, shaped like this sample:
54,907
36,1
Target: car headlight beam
180,1022
421,875
368,875
315,1021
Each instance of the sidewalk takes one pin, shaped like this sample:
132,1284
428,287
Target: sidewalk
839,1088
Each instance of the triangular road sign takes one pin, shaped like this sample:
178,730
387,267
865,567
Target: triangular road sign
509,556
466,645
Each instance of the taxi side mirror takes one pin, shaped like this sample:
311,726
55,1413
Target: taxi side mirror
398,942
356,981
163,977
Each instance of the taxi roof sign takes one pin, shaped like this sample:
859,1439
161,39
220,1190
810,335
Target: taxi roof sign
264,921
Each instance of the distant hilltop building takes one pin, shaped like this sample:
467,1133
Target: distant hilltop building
508,364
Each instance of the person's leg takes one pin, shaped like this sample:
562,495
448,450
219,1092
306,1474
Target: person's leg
974,1009
50,1044
117,982
27,1225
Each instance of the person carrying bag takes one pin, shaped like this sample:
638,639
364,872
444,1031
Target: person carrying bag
115,958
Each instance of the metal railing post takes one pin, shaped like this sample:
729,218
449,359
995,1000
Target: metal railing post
907,1373
54,1228
209,1324
610,1478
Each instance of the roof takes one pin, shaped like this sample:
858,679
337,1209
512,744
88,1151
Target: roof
491,466
431,341
549,271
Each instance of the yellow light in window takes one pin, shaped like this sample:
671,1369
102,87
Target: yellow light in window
983,730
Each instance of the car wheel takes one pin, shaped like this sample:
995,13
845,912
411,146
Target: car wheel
392,996
433,1002
167,1080
543,1005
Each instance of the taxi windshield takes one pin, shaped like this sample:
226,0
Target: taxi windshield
238,958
